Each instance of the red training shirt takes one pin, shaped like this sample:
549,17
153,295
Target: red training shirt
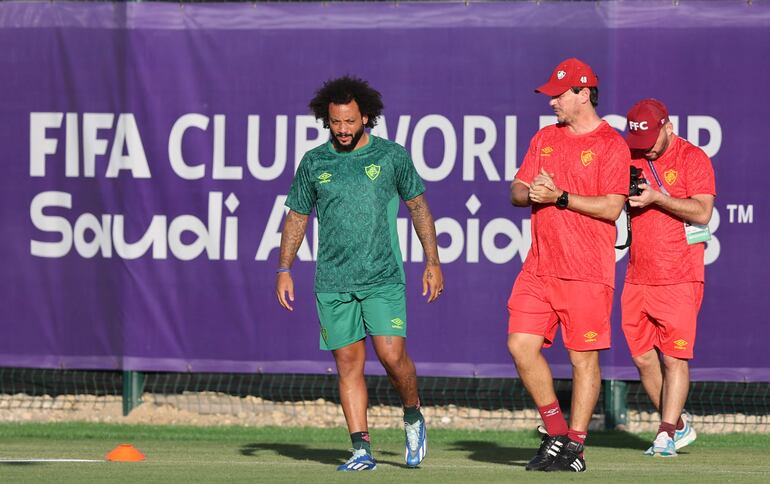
659,250
566,244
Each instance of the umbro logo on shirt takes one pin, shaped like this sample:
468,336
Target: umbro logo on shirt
546,151
325,177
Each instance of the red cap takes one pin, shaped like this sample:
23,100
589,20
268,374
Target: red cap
569,73
645,119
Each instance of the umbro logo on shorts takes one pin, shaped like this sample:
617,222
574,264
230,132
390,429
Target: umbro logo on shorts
397,323
590,336
680,344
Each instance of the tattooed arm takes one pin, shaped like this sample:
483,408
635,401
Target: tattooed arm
291,238
432,278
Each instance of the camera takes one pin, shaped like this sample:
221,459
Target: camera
633,190
636,179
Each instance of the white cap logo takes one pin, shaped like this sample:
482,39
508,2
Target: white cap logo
583,79
560,75
637,126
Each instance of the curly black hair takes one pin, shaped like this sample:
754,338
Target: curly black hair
342,91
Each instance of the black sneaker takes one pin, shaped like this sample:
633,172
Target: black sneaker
569,458
548,451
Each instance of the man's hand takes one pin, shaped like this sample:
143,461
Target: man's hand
648,196
545,179
422,219
543,189
284,284
695,209
433,280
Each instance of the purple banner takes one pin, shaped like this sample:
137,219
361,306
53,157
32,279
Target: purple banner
147,150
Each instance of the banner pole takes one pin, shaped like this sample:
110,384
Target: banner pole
133,386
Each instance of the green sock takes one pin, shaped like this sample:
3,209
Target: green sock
412,414
361,440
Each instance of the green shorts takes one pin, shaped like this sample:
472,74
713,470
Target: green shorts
347,317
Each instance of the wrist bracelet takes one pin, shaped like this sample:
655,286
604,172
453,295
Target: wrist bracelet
282,269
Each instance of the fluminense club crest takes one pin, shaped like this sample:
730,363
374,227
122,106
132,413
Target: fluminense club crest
586,157
372,171
670,176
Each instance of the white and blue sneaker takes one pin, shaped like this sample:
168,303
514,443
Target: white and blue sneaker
361,460
687,435
416,443
662,446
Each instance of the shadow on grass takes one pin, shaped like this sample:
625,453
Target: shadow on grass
495,453
302,452
617,439
296,452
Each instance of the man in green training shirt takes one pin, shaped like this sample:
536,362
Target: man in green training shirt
355,183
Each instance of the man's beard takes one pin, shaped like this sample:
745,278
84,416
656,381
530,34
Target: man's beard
353,142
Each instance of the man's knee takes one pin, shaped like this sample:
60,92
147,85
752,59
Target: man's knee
673,363
584,360
349,360
647,361
393,361
524,346
391,351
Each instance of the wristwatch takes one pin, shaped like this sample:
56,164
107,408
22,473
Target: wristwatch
563,200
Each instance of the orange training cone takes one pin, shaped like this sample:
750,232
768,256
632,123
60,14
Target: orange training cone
125,453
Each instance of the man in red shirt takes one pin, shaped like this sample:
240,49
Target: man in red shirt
575,178
664,280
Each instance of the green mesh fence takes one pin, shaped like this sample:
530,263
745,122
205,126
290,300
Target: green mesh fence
717,407
55,395
313,400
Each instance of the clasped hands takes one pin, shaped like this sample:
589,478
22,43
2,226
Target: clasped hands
542,189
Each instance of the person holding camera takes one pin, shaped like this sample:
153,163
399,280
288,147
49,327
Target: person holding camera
575,178
664,281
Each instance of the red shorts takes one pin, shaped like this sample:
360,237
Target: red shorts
662,317
539,303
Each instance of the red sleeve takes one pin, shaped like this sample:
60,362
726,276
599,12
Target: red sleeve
700,174
616,169
530,167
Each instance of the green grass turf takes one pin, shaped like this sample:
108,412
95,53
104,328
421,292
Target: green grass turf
238,454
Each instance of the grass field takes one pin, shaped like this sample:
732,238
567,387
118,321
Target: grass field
238,454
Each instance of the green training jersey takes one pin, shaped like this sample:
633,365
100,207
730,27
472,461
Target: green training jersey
356,196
